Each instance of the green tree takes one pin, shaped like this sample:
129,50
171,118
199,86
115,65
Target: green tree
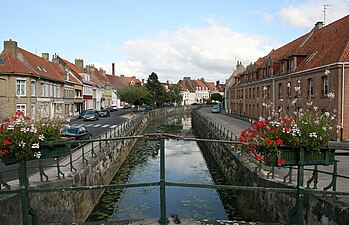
176,94
216,97
157,91
134,94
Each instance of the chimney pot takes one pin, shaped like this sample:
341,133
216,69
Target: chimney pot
319,25
113,69
45,56
10,47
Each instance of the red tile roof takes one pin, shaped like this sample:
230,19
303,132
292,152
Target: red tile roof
14,65
42,67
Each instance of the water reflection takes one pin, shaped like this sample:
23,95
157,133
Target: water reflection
184,163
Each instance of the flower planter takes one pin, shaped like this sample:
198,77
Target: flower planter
53,149
291,156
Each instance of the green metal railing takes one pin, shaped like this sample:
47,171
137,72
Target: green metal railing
226,138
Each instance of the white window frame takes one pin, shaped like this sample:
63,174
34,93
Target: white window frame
21,87
22,108
42,89
33,87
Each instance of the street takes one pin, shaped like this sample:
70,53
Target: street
96,128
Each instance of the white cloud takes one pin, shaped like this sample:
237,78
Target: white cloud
208,52
266,16
306,15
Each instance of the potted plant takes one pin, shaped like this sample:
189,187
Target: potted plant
285,140
23,139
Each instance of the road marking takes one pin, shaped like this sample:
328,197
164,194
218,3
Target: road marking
89,125
106,125
97,125
113,126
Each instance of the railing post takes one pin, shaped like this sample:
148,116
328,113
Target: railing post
163,218
23,181
300,188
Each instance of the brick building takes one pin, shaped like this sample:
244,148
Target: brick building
317,63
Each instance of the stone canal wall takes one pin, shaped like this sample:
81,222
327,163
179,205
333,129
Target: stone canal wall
270,206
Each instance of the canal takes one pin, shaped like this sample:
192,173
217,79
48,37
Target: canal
186,161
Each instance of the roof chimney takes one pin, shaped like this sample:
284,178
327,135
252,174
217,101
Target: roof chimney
10,47
319,25
113,69
79,63
45,56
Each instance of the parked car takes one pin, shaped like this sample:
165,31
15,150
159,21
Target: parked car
216,108
77,132
114,108
126,107
104,113
82,113
91,115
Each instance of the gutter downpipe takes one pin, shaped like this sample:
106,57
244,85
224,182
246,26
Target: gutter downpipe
342,111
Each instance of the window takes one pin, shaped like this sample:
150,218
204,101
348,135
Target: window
280,90
292,63
42,89
46,90
20,88
310,87
33,87
21,107
2,61
324,85
33,110
58,91
289,90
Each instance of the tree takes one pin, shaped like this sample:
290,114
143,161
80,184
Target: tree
216,97
156,90
134,94
176,94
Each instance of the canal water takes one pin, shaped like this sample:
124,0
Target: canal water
185,162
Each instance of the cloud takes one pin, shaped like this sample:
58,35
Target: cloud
266,16
306,15
208,52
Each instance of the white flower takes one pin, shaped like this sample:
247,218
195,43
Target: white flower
41,137
327,114
37,155
331,95
36,145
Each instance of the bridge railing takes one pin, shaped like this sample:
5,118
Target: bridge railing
162,183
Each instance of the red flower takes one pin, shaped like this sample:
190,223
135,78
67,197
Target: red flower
4,152
279,141
268,142
242,138
281,161
258,157
275,131
7,142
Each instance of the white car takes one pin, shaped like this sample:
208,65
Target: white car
216,109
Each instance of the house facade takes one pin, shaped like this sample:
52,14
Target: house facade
316,63
29,83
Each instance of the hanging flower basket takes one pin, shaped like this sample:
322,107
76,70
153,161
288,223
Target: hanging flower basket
291,157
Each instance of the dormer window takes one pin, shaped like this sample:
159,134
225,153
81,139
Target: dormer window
292,63
39,68
2,61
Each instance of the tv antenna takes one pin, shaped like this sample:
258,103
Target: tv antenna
325,7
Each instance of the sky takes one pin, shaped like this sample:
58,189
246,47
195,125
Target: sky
173,38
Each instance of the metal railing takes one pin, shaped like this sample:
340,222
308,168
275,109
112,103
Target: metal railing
226,137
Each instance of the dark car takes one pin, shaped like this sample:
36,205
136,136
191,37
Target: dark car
82,113
104,113
91,115
77,132
216,108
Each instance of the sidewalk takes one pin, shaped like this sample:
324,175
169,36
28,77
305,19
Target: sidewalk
342,155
